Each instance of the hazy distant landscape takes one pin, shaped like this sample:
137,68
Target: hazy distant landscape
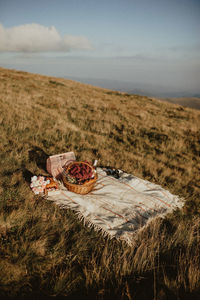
169,94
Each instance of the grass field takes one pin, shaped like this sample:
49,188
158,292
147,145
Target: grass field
47,252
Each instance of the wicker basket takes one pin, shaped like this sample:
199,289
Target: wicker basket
82,189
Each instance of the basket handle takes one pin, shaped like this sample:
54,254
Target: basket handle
68,163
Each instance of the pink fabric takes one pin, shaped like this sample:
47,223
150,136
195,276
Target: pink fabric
55,163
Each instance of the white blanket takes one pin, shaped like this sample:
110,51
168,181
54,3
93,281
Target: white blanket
119,207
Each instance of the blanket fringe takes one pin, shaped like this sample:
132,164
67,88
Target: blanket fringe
128,239
119,230
87,223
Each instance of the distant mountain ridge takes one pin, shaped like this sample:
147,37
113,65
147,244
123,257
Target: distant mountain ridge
192,102
185,98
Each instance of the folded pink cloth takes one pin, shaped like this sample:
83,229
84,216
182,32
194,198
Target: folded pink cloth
55,163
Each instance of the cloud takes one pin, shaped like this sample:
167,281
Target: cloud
38,38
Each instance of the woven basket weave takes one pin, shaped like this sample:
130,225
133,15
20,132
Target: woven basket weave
82,189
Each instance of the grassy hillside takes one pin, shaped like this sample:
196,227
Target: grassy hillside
46,251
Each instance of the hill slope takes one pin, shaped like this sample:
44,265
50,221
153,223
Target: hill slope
154,140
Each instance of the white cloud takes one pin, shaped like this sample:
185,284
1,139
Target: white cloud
38,38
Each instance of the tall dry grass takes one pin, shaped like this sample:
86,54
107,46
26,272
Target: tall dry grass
46,251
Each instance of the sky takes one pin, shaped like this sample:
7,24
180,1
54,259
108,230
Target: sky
139,42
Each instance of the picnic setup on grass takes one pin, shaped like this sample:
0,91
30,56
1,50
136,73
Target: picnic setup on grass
110,200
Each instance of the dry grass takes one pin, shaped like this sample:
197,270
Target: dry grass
46,251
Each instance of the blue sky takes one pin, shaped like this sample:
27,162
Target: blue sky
153,42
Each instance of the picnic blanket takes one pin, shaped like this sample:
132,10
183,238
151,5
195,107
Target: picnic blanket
118,207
